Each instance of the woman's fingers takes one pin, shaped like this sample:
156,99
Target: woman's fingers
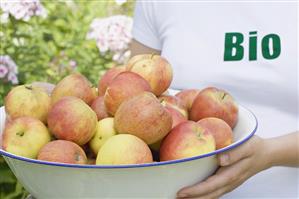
219,183
243,151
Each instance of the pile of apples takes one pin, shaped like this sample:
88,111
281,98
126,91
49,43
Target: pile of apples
127,119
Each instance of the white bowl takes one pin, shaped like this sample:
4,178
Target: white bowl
153,180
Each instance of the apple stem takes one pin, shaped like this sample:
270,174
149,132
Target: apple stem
153,54
20,133
224,94
29,87
162,101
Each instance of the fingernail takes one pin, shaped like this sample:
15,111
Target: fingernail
224,159
182,195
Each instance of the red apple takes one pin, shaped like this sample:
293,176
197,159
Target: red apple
144,117
75,85
187,97
72,119
62,151
154,68
186,140
214,102
124,86
177,117
221,131
98,106
108,77
174,102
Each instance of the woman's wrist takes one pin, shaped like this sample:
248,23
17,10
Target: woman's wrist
270,152
263,155
282,151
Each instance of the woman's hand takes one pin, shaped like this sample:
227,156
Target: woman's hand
237,165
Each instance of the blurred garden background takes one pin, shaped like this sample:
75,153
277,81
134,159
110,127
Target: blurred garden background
44,40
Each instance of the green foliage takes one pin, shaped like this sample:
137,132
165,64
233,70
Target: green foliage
9,187
43,48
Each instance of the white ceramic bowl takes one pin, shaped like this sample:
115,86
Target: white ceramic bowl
154,180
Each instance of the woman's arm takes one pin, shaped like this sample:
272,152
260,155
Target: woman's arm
137,48
239,164
284,150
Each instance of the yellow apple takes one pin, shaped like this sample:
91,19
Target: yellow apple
105,130
25,136
124,149
27,100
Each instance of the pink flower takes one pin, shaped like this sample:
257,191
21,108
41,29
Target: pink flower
21,9
112,34
73,64
13,78
3,71
8,69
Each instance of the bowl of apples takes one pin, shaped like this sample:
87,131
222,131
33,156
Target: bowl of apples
131,137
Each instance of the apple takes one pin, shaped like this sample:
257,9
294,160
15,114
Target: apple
72,119
75,85
124,149
108,77
186,140
154,68
214,102
221,131
7,120
177,118
174,102
27,100
187,96
144,117
123,86
25,136
98,106
48,87
105,130
62,151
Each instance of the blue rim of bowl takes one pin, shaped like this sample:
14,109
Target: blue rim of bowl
234,145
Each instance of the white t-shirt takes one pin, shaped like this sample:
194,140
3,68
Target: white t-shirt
247,48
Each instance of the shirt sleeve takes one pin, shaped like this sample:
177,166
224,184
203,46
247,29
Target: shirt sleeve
144,26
